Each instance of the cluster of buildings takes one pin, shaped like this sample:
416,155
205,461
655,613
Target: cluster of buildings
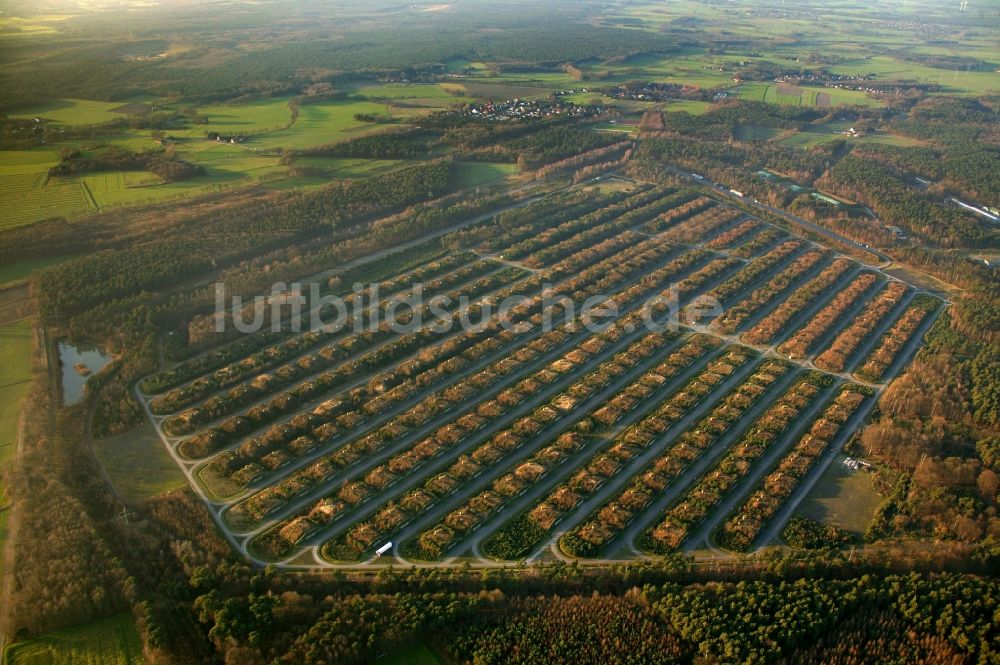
232,139
650,91
523,109
830,80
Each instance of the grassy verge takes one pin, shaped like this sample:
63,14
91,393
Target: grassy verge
112,641
18,271
138,464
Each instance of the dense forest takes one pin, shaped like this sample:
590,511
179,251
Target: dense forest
162,163
529,36
659,622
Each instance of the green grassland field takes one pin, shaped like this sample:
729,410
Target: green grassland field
112,641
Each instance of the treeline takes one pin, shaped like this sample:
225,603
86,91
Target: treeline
114,158
944,618
80,555
531,143
966,167
951,62
736,165
599,629
760,622
701,155
63,573
900,204
419,50
556,143
720,123
931,437
406,144
116,295
192,248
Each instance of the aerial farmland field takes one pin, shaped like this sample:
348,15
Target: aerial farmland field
775,93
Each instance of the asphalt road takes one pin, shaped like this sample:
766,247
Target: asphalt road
787,216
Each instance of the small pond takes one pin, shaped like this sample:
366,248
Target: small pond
79,363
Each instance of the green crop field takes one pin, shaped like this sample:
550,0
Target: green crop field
831,131
319,124
953,81
15,372
755,133
688,66
351,167
28,198
410,92
778,94
754,92
17,271
35,26
226,166
459,64
15,375
512,87
138,464
135,140
609,127
109,182
692,106
15,162
472,174
112,641
252,118
74,112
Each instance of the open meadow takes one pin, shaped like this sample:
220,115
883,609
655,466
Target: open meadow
111,641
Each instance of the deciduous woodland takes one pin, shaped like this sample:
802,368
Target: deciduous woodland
777,441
